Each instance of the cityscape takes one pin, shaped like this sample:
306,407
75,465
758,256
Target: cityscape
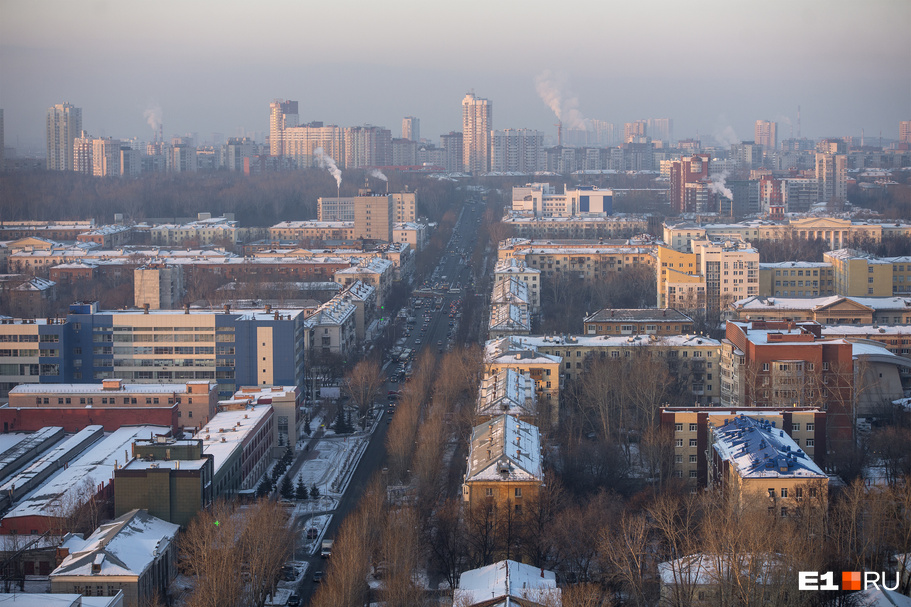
474,319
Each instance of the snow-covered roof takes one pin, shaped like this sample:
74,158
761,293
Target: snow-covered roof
505,449
511,265
76,443
512,349
781,265
875,596
508,289
702,569
507,579
38,599
93,469
757,302
507,392
26,443
126,546
227,430
100,389
755,448
639,315
509,317
613,341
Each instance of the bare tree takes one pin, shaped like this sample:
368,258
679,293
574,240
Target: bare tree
363,385
625,550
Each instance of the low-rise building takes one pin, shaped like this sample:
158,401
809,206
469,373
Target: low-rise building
517,268
504,464
507,583
645,321
286,402
859,274
544,369
240,442
796,279
832,310
507,392
759,465
159,286
87,478
169,478
113,403
690,428
135,554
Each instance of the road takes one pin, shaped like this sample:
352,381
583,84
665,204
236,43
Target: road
454,268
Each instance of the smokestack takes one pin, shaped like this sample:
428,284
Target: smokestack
560,133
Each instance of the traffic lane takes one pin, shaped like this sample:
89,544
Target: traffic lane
373,460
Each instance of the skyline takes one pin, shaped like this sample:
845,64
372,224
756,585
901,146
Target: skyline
217,71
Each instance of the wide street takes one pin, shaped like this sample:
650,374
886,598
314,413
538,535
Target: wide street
440,295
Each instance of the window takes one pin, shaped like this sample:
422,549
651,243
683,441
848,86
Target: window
765,366
784,511
811,442
678,442
692,474
796,427
784,492
811,427
678,427
488,491
678,459
693,459
678,474
518,492
798,493
812,491
693,443
693,426
771,492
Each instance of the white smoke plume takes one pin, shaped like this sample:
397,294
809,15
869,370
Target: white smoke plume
153,116
726,136
378,174
326,162
717,185
554,91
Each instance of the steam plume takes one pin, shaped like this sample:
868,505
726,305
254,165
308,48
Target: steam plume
326,162
554,92
378,174
717,185
153,116
726,136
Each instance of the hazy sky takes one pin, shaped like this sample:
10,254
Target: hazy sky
214,66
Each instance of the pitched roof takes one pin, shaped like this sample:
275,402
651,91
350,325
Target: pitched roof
505,449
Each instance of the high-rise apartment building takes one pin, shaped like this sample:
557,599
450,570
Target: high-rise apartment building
904,130
517,151
282,115
831,176
106,157
64,124
302,142
411,128
367,146
661,128
632,131
766,134
82,154
374,215
686,171
477,122
453,145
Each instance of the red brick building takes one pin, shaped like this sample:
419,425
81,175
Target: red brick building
784,364
684,171
76,417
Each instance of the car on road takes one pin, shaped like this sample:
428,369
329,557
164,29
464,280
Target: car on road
312,533
417,342
294,601
317,578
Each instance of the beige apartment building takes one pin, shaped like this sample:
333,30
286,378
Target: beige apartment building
583,260
690,427
796,279
159,286
724,270
835,231
859,274
761,466
544,369
832,310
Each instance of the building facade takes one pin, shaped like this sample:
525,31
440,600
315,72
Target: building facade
477,123
64,124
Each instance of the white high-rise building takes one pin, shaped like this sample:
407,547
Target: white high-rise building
661,129
411,128
106,157
282,115
64,124
477,122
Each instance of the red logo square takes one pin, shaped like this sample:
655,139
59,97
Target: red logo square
850,580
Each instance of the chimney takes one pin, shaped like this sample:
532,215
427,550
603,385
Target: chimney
227,308
145,308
